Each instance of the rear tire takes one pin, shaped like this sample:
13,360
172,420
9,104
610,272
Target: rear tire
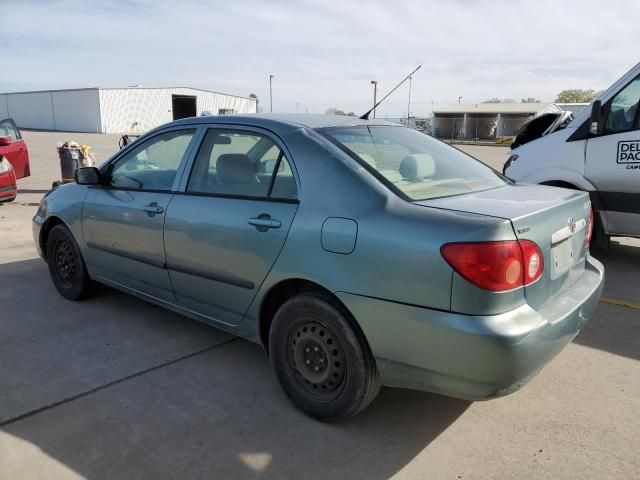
66,265
323,364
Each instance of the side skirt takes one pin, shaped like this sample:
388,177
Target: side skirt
227,327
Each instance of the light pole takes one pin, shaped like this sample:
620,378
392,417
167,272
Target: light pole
459,98
409,104
375,93
270,95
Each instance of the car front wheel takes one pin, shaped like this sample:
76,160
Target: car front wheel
323,364
66,266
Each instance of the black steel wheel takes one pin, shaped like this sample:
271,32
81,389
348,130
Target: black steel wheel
321,358
316,359
66,265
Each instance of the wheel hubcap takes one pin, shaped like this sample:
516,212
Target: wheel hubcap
65,265
317,358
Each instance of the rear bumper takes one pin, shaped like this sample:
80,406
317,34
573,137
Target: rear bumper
473,357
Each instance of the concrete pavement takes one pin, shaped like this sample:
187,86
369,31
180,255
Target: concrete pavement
114,388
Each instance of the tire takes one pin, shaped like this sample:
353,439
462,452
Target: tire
323,364
66,266
599,239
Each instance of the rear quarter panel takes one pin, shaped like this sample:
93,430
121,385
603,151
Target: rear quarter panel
397,253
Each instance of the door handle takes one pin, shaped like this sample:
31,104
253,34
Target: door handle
153,208
264,222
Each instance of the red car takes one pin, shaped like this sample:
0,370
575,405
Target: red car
14,159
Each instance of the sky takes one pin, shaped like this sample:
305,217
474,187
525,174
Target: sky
322,54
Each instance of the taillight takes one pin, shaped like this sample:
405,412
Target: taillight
587,238
496,266
532,259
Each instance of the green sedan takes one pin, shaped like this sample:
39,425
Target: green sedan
359,253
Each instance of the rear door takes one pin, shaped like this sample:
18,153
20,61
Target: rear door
16,152
613,160
224,231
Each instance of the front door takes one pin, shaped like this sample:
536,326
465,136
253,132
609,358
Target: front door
613,160
224,233
123,220
16,152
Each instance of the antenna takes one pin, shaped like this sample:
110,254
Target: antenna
366,115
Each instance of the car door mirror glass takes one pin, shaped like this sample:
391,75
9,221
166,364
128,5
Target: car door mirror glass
87,176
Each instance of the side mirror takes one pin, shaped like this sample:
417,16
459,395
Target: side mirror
596,116
5,141
87,176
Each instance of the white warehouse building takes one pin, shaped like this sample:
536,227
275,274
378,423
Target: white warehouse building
116,110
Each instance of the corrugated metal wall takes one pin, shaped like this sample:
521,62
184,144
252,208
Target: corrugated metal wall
71,110
141,109
109,110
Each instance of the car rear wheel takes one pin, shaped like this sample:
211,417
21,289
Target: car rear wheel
322,363
66,266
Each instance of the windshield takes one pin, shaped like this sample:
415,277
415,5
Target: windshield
417,165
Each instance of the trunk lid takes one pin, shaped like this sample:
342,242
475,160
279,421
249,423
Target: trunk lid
556,219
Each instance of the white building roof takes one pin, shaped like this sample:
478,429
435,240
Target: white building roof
120,88
493,108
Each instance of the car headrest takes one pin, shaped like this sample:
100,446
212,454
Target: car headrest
235,168
417,166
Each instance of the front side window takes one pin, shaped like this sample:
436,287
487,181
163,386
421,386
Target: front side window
623,112
241,163
153,164
417,165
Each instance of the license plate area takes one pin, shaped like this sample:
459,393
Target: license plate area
562,257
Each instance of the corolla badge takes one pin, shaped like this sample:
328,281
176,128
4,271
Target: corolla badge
572,224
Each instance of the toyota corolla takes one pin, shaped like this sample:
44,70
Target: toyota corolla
358,253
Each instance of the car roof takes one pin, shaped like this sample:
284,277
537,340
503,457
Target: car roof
282,121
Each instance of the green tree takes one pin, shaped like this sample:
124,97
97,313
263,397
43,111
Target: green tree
529,100
577,95
334,111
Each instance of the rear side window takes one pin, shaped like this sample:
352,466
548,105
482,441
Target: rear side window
415,164
240,163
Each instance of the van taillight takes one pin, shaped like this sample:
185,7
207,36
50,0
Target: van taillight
587,238
496,266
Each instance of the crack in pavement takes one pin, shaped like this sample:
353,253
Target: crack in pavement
4,423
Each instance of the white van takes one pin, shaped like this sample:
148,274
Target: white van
598,151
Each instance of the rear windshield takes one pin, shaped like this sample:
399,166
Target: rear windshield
417,165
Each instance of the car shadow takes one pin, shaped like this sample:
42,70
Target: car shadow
116,388
615,328
27,190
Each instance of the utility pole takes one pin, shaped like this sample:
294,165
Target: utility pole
409,104
270,94
297,105
375,94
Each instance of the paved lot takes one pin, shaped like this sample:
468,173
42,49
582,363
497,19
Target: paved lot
113,388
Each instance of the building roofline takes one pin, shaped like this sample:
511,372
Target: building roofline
122,88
